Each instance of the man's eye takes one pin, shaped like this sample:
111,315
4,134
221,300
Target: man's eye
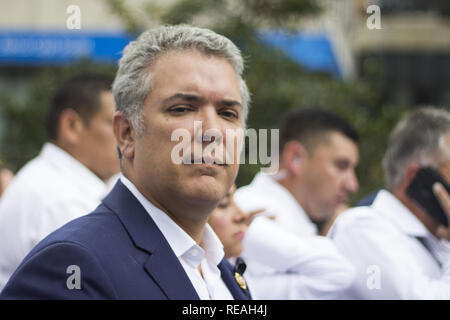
342,165
229,114
180,109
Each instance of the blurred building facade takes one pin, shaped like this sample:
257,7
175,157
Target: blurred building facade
409,58
34,34
410,52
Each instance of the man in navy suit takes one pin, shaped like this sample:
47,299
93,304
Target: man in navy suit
149,239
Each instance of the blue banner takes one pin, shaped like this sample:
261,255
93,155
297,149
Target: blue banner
56,47
312,50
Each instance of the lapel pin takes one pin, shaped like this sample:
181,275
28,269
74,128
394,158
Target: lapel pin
239,269
240,280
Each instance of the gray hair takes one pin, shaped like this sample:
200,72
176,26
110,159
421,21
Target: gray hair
419,138
133,81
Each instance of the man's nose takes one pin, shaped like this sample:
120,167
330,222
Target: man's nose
208,126
352,182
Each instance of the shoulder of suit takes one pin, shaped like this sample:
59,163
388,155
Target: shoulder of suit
86,230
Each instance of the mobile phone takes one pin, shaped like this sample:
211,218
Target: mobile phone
421,191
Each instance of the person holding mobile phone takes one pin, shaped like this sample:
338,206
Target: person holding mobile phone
399,242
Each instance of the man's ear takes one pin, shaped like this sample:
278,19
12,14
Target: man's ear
408,176
70,127
294,154
410,173
125,135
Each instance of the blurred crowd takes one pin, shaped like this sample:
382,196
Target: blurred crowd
291,235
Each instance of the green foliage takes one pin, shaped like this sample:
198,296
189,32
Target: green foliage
126,15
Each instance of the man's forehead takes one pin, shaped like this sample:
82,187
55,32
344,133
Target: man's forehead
174,60
176,53
336,143
444,146
180,75
326,139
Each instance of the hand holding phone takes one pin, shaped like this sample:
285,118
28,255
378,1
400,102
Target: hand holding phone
444,199
420,190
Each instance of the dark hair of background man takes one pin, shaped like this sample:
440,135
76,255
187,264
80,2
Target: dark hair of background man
80,93
309,126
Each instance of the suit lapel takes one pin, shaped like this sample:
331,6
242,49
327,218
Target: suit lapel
227,274
162,265
170,276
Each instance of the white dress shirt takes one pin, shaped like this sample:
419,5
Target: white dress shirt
381,241
285,258
265,192
46,193
281,265
189,253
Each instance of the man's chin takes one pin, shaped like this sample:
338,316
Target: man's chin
325,215
205,191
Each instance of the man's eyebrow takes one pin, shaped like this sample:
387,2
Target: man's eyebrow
231,103
184,97
195,98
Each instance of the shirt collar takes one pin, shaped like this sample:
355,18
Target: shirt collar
283,195
65,161
213,246
181,243
394,210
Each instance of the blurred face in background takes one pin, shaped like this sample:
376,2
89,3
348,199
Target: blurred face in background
230,224
444,164
97,147
6,177
328,176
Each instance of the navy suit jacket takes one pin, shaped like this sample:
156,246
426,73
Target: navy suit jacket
120,252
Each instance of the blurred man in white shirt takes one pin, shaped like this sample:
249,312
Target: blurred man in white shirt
6,177
398,249
318,155
69,177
